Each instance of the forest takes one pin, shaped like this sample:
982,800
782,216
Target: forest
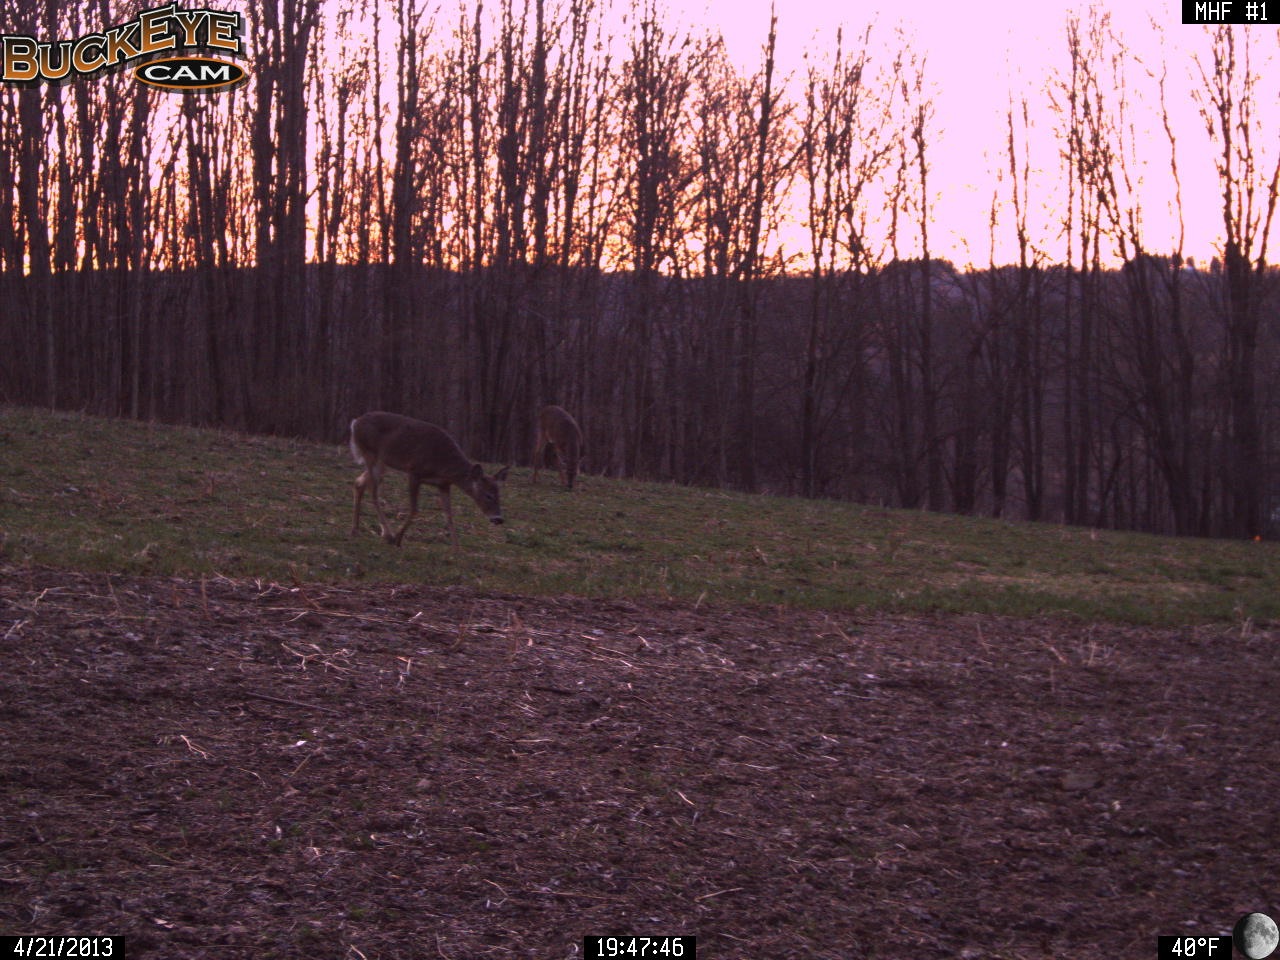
462,212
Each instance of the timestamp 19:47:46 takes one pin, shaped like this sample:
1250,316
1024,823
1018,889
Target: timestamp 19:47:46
629,947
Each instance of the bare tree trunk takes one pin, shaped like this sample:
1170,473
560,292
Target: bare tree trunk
34,219
1228,103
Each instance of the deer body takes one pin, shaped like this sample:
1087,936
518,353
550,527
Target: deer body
558,428
382,441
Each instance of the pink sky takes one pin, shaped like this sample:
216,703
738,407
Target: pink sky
971,58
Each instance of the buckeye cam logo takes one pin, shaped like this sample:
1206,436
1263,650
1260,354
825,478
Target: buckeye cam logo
160,29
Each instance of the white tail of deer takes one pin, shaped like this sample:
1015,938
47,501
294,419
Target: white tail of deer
428,455
557,428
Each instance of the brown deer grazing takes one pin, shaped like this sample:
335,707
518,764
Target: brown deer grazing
428,455
557,428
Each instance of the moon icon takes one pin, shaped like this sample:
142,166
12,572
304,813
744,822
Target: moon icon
1256,935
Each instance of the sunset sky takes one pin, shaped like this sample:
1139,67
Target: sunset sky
974,59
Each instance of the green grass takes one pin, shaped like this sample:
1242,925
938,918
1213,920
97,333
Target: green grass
105,495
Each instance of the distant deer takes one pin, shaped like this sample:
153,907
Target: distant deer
428,455
557,428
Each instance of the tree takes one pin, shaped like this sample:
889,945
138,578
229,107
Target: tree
1228,99
845,147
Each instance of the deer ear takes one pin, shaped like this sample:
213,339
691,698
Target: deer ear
477,471
502,474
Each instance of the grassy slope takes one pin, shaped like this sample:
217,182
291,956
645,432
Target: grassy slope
93,494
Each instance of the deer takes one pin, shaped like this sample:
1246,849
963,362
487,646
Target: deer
381,440
557,428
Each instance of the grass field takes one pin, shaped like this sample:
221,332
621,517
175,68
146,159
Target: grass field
93,494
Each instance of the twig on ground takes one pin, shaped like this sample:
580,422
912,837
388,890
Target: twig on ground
290,703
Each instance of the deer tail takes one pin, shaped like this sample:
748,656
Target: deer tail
355,448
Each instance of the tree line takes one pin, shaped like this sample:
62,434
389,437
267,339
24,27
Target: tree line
726,274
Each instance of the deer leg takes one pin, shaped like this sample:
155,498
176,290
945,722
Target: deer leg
374,480
537,455
448,514
359,485
369,479
413,511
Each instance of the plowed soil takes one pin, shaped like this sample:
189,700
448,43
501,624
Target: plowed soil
224,768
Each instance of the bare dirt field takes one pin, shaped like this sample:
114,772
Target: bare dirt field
248,769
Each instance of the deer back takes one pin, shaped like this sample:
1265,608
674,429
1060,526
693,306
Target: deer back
414,446
558,424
